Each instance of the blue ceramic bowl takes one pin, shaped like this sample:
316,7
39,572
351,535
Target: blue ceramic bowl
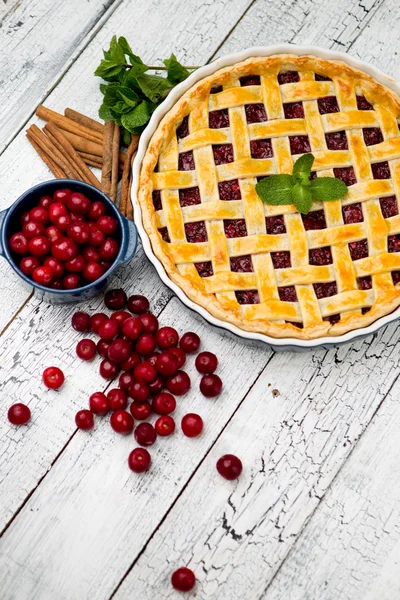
126,236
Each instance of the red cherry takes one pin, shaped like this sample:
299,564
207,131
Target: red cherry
53,378
139,460
61,195
76,218
24,217
43,276
206,362
96,320
156,386
96,236
53,233
179,383
78,204
108,370
125,381
64,249
55,266
132,328
115,299
19,414
63,222
190,342
80,321
140,411
167,337
120,316
19,243
164,403
138,304
145,344
39,215
93,271
86,349
108,329
28,264
76,264
145,372
229,466
165,425
119,350
71,281
56,210
91,255
84,420
145,434
192,425
108,225
167,364
117,399
97,210
109,249
79,232
152,358
179,354
210,386
150,323
121,421
183,579
39,245
139,391
106,264
102,348
45,201
131,363
32,229
57,285
98,403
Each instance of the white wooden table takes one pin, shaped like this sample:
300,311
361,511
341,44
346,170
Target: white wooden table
316,513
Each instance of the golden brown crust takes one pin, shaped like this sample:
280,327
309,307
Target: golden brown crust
254,318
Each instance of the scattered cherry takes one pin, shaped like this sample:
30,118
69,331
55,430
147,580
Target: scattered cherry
121,421
206,362
179,354
119,350
164,403
132,328
102,348
229,466
167,364
145,344
115,299
98,403
183,579
152,358
145,434
19,414
138,304
53,378
108,329
210,385
165,425
86,349
96,320
139,391
125,381
192,425
190,342
145,372
156,386
131,362
179,383
120,316
140,411
167,337
108,370
150,323
84,419
117,399
139,460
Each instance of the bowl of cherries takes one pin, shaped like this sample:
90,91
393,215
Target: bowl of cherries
65,238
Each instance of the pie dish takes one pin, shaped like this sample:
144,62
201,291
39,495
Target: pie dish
267,269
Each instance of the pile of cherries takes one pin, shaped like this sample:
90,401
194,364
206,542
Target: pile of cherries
66,241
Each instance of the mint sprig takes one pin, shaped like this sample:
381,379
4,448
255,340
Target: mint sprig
132,94
297,188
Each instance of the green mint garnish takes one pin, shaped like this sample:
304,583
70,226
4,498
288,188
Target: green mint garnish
132,94
297,188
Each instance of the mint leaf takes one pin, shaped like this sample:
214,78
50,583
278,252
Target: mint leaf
302,168
136,61
129,96
105,113
116,52
126,136
154,86
137,117
108,70
301,196
328,188
176,71
276,189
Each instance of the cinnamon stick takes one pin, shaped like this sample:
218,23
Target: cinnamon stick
126,175
49,148
68,125
69,152
107,157
115,163
91,159
83,145
55,169
81,119
129,210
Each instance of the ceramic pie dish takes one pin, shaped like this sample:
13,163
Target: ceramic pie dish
266,272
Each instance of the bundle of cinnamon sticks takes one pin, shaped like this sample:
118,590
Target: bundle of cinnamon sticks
72,142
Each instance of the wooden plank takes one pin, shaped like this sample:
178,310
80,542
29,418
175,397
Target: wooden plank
6,6
98,514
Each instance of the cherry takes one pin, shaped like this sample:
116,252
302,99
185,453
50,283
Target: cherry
109,249
108,370
53,378
53,233
80,321
179,354
91,255
145,344
45,201
86,349
84,420
145,372
183,579
63,222
132,328
165,425
98,403
102,348
28,264
76,218
125,381
39,245
55,266
108,225
32,229
206,362
43,275
145,434
75,265
39,215
164,403
97,210
131,363
167,337
25,217
156,386
119,350
117,399
96,320
121,421
56,210
93,271
229,466
150,323
61,195
152,358
120,316
139,391
79,232
139,460
64,249
96,236
57,285
71,281
19,414
210,385
106,264
78,204
115,299
190,342
108,330
167,364
138,304
19,243
179,383
140,411
192,425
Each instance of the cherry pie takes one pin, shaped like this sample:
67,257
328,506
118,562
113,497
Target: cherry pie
267,268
